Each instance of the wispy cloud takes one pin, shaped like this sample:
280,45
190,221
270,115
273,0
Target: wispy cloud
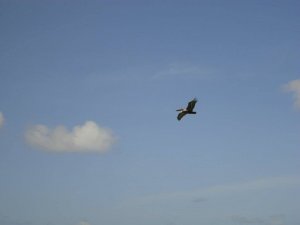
182,70
84,223
259,184
88,137
1,119
248,220
294,86
226,189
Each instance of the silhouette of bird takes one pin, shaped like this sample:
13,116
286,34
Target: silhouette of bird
187,110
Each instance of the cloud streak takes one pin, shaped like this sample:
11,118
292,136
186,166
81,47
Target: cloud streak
176,70
88,137
294,87
226,189
1,119
272,220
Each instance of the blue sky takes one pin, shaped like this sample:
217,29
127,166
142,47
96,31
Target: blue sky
88,129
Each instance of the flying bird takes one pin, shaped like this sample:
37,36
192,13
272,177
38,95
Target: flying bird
187,110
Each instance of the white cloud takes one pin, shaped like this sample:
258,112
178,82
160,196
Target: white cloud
294,86
1,119
86,138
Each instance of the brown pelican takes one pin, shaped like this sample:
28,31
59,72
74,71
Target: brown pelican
187,110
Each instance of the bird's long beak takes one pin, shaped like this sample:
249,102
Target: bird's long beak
179,110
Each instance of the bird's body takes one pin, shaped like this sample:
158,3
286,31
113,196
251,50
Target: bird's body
187,110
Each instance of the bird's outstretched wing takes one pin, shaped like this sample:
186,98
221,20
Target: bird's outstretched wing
191,105
180,115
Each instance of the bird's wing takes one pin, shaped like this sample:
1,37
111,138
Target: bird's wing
191,104
180,115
